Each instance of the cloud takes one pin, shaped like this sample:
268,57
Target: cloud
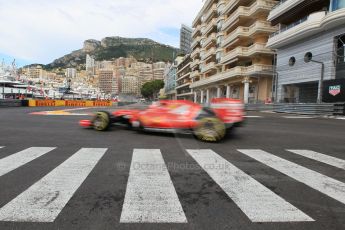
41,30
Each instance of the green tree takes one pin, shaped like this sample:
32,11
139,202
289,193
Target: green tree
151,89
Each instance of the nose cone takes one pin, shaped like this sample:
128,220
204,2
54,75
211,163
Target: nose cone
85,123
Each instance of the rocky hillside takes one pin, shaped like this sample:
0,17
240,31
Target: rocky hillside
114,47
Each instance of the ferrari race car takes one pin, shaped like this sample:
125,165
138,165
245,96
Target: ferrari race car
208,124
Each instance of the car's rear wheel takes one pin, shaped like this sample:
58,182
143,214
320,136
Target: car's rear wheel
101,121
210,129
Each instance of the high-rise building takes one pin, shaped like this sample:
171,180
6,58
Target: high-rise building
230,57
185,39
310,47
90,64
71,73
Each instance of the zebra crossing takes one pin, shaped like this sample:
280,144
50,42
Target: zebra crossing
151,197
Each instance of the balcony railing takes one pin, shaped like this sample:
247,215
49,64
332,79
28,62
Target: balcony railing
246,52
261,26
208,67
195,74
210,39
209,53
195,63
248,11
210,26
211,11
290,26
195,52
234,72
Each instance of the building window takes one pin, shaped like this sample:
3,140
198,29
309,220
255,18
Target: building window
292,61
337,4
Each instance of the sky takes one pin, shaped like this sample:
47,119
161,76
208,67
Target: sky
40,31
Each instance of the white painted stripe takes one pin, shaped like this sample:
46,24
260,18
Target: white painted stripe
253,116
341,118
150,195
1,147
336,162
258,202
297,117
44,200
21,158
315,180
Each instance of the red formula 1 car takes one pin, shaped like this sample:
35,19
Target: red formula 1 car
206,123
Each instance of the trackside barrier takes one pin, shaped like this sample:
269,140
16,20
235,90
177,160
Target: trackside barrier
68,103
304,109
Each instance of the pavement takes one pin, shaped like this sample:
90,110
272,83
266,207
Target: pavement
277,172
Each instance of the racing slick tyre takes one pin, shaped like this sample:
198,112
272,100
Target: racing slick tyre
101,121
210,129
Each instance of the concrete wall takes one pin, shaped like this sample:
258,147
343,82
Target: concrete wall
322,48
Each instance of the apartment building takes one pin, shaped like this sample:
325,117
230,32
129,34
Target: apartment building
230,58
183,81
170,77
35,72
310,48
106,78
71,73
131,85
158,70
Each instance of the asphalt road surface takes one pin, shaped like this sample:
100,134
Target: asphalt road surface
277,172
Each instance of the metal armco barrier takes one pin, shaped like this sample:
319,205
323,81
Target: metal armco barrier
68,103
304,109
11,103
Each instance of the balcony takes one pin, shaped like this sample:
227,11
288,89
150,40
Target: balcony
195,53
183,76
282,7
195,42
245,52
307,27
209,67
196,31
248,11
220,6
256,69
183,85
209,54
230,5
212,11
210,26
209,40
195,63
257,27
195,74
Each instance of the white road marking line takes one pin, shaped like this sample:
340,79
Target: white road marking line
297,117
253,116
150,195
1,147
21,158
340,118
258,202
44,200
315,180
336,162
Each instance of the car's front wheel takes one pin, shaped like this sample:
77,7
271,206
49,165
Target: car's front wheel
101,121
210,129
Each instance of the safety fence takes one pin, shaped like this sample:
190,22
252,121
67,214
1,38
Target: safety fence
69,103
304,109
